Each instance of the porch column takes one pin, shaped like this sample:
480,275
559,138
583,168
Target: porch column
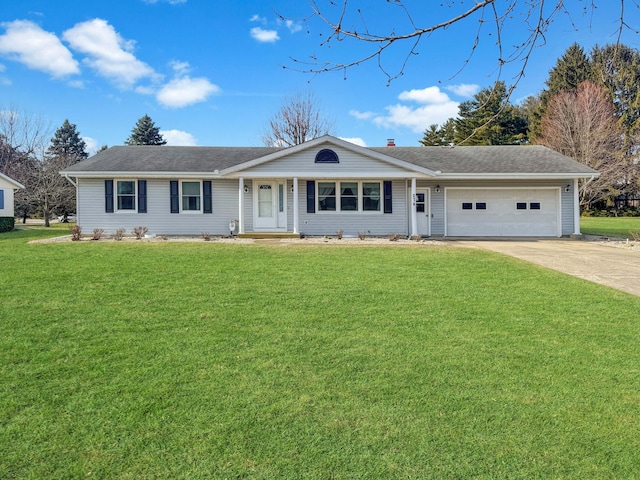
414,217
576,208
296,219
241,205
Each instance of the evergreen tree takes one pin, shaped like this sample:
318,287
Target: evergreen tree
436,136
431,136
67,144
489,119
571,69
145,133
617,69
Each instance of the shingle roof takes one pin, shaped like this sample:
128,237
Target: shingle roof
487,159
155,158
477,160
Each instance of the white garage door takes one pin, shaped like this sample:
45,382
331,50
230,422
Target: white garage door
503,212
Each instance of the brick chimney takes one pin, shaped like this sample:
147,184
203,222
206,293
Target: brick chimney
391,142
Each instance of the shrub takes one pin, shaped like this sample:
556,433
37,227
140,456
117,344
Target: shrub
119,234
140,232
339,234
97,233
76,233
416,238
394,237
7,224
362,235
635,234
206,236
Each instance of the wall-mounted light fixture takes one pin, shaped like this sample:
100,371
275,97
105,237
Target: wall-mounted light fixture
567,188
437,188
246,189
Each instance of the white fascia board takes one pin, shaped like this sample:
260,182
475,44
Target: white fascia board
15,184
515,176
145,175
341,175
338,143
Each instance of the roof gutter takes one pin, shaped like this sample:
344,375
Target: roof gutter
70,181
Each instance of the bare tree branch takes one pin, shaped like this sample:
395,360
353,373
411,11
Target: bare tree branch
534,16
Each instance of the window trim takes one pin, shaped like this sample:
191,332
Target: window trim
116,181
181,196
360,197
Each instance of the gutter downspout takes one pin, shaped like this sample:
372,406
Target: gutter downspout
576,208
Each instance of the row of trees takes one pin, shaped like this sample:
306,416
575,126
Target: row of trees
26,156
589,111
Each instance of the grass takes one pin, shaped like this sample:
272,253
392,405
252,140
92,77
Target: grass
610,226
205,360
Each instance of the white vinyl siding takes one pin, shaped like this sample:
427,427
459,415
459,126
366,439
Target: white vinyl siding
158,218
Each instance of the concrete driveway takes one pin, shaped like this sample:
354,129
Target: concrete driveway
617,267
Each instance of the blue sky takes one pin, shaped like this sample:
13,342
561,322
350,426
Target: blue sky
211,72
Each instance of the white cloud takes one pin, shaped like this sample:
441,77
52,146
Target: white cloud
107,52
181,92
417,119
466,90
258,18
293,26
27,43
264,36
179,138
362,115
92,145
171,2
181,68
436,107
354,140
429,95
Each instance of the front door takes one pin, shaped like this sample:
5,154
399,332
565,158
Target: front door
423,211
264,200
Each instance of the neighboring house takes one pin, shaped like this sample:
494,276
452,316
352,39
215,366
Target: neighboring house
328,184
7,188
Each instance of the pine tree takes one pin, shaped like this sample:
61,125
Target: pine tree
489,119
145,133
571,69
617,69
67,144
436,136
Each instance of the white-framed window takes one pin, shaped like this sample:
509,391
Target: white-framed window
349,196
126,195
191,196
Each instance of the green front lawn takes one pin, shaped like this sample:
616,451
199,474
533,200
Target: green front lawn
205,360
610,226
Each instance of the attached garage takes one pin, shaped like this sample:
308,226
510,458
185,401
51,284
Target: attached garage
503,212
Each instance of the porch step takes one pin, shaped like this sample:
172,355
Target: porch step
268,235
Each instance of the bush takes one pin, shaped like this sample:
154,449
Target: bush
394,237
206,236
340,234
97,233
635,234
119,234
76,233
7,224
362,235
140,232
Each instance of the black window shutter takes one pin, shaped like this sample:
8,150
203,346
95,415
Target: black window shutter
175,200
388,208
207,201
108,196
311,196
142,196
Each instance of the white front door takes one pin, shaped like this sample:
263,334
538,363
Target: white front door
423,211
270,205
264,203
